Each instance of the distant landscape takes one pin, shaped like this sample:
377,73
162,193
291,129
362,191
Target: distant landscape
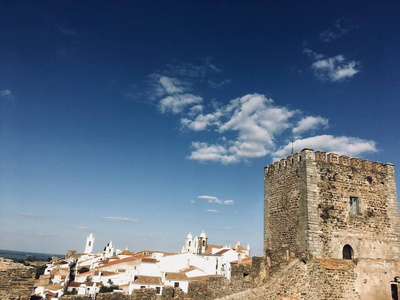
20,255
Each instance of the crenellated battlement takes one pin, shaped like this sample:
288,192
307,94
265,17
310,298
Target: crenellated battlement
296,159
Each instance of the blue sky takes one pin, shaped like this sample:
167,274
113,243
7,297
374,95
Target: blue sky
145,120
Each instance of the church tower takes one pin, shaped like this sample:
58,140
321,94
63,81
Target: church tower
202,246
89,244
109,250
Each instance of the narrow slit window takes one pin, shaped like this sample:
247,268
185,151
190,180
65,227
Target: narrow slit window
354,206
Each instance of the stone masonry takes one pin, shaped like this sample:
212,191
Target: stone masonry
16,280
331,206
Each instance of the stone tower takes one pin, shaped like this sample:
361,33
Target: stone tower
89,244
331,206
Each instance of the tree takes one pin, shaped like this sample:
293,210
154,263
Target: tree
40,270
73,292
108,289
83,270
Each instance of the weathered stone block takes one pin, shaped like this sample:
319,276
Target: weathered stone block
333,158
320,156
344,160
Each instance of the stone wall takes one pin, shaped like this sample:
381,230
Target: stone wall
313,279
242,277
16,280
171,293
307,207
142,294
282,209
374,231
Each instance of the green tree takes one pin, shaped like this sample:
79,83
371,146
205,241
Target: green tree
108,289
40,270
83,270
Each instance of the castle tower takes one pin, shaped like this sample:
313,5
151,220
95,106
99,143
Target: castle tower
319,205
331,206
89,244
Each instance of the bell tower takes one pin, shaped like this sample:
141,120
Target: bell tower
89,244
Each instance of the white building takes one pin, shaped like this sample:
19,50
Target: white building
196,245
89,244
109,250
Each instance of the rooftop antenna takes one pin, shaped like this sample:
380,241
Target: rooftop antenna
292,147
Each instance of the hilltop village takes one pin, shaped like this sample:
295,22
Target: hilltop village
123,271
331,231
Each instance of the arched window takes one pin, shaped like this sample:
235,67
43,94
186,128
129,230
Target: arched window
348,252
204,243
190,243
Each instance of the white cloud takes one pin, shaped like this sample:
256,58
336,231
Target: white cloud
201,122
335,68
226,228
254,118
212,199
67,31
121,219
29,215
192,201
205,152
171,85
214,68
195,110
7,94
338,30
218,84
177,103
211,210
309,123
313,54
351,146
248,127
82,228
186,70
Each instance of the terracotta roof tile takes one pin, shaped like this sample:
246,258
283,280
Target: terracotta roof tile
54,286
222,251
149,260
148,280
74,284
245,261
120,261
210,247
201,278
84,274
176,276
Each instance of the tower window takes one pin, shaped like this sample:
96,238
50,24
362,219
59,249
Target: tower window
190,243
90,243
354,206
348,252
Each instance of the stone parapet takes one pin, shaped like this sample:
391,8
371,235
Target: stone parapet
294,160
